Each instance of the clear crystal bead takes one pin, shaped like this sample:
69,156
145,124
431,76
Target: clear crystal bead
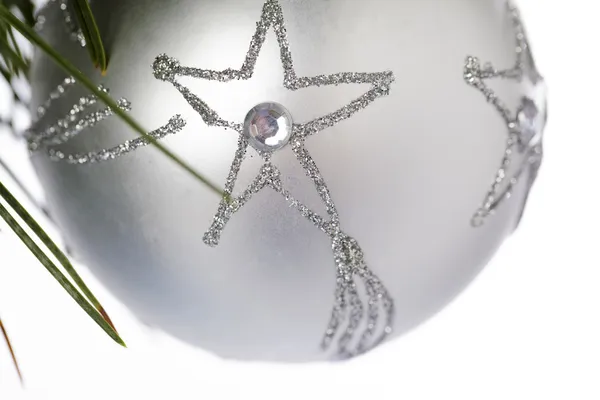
268,127
532,115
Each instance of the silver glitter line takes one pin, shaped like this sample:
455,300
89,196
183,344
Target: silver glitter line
54,95
73,116
317,220
210,117
62,134
358,327
175,125
355,318
350,262
314,174
525,127
77,121
74,122
380,88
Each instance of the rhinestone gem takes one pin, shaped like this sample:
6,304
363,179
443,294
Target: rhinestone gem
531,118
268,127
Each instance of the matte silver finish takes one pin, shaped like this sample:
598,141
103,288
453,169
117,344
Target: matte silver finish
406,174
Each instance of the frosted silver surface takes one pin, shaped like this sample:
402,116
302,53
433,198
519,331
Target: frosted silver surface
408,171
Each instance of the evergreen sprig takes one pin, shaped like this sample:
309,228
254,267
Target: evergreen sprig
18,16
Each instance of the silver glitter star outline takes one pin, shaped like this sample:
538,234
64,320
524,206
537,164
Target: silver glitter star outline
362,330
525,127
81,117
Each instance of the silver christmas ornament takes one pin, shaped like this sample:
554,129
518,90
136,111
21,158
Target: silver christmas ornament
353,208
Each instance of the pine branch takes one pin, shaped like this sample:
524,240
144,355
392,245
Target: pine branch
98,315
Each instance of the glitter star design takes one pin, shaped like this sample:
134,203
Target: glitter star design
525,127
357,330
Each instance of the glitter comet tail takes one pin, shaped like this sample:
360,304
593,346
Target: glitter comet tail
357,327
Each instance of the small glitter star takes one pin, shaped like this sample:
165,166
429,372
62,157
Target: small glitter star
525,128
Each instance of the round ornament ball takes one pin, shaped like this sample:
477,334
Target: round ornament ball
373,155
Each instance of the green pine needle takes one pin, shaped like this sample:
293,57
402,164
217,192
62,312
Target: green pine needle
54,249
13,40
52,268
90,31
10,350
12,57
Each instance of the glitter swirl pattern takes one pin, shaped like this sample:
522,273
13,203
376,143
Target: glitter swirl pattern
81,117
356,326
525,127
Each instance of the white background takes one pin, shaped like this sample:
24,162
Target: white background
527,328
